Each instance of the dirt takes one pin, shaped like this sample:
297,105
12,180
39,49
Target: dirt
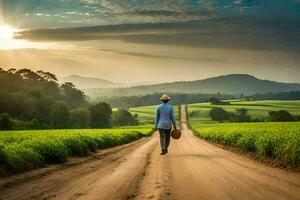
193,169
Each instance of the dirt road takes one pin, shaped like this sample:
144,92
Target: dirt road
193,169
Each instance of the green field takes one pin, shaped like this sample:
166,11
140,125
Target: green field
26,150
199,113
279,141
146,114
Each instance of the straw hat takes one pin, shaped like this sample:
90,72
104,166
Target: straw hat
165,98
176,134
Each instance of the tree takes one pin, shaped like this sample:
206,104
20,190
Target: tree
47,76
6,122
280,116
242,115
51,89
39,109
214,101
219,114
26,95
123,117
100,115
79,118
59,115
27,74
73,96
297,117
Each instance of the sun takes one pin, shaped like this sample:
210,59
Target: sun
7,38
6,32
8,41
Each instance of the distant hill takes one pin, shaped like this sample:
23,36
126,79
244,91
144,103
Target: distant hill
87,82
233,84
144,83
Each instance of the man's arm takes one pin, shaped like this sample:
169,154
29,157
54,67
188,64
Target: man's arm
173,119
156,118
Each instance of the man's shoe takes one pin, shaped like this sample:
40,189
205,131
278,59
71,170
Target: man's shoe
162,153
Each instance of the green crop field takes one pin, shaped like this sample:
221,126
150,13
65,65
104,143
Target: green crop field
146,114
25,150
199,113
279,141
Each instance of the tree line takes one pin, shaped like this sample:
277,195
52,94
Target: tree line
153,99
293,95
182,98
241,115
35,100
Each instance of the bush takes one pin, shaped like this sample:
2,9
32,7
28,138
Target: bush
215,101
247,142
19,158
53,151
75,146
100,115
3,158
297,117
281,116
219,114
6,122
90,142
123,117
242,116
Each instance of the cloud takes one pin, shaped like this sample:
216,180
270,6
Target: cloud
79,13
107,12
153,13
114,6
148,55
226,32
187,15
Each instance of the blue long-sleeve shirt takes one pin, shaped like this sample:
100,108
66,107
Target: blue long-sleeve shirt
165,116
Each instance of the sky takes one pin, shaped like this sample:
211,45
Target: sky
160,41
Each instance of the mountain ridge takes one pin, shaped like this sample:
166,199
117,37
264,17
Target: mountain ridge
90,82
233,84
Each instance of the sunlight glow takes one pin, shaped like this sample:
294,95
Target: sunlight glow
8,40
6,32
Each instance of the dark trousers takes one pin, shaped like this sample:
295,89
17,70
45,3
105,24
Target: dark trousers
164,138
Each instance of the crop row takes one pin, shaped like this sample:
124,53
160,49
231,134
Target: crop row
278,141
26,150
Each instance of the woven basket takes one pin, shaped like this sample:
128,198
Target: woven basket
176,134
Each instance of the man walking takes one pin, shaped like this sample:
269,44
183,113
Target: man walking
164,119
